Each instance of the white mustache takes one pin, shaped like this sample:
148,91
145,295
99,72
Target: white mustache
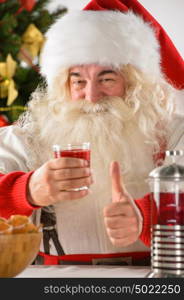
87,107
97,108
102,106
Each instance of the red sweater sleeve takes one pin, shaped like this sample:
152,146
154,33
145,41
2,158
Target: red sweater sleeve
144,204
13,190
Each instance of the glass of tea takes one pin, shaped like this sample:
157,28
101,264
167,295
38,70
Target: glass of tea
81,151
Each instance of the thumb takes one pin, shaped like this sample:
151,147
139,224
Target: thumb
118,190
120,194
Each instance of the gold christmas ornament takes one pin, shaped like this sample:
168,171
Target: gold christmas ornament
7,84
4,84
32,42
12,92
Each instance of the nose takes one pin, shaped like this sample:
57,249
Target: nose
93,93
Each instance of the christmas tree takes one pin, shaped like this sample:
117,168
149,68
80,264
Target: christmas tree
22,27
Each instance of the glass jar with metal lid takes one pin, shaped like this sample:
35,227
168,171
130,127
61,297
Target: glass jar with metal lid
167,219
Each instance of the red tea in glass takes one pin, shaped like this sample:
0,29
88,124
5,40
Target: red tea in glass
170,208
81,151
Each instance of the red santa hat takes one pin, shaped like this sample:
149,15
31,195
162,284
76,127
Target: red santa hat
113,32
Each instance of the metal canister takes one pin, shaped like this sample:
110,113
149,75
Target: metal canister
167,218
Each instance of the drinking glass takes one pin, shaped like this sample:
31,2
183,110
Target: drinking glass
81,151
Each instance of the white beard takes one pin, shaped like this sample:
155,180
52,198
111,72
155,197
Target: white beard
112,132
114,135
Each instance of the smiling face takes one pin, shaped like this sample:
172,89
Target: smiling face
93,82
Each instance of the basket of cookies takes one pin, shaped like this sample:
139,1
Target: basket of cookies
19,244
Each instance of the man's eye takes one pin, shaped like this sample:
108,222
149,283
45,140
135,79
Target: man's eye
107,79
78,82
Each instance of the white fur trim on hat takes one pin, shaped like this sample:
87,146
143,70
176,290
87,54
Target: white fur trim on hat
102,37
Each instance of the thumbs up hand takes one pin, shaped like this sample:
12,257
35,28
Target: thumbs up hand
121,217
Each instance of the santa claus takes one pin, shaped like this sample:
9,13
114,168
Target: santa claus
104,85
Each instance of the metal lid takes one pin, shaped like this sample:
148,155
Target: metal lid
169,172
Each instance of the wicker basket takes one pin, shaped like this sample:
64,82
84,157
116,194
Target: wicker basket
17,251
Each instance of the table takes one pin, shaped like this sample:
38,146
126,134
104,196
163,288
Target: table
84,271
